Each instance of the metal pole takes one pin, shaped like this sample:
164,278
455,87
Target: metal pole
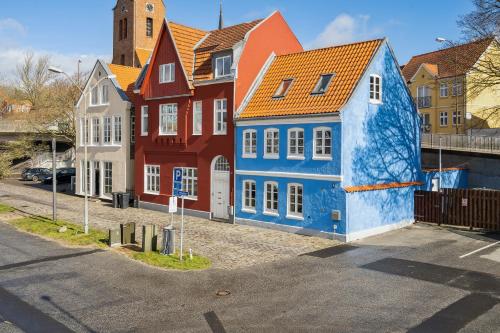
86,134
440,164
54,180
182,226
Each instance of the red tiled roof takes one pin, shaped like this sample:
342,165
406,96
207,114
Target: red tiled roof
466,56
363,188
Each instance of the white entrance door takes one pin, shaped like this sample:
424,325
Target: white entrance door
220,188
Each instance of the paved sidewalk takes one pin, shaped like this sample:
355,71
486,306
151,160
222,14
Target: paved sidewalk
228,246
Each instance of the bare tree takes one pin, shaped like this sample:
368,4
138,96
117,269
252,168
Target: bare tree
33,78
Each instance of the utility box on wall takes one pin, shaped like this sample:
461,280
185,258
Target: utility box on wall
336,216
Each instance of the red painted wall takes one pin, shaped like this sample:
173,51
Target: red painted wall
272,35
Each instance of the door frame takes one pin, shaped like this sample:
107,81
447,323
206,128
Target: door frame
212,172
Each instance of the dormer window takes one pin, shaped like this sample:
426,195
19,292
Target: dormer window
167,73
283,88
222,66
323,84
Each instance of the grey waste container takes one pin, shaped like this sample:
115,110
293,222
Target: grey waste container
168,243
116,200
124,200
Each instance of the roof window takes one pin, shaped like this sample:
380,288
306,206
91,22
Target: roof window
283,88
323,84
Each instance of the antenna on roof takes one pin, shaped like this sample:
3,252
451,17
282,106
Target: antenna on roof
221,19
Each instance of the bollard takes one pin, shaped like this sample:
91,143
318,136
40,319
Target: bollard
149,238
168,244
115,237
128,233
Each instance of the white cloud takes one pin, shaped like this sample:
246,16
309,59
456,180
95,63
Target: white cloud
345,29
11,25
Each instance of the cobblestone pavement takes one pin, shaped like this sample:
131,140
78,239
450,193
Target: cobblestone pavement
228,246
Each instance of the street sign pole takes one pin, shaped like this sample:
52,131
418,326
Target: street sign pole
182,226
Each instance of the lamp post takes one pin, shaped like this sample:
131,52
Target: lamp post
53,129
85,140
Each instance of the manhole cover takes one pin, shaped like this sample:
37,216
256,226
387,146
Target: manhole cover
223,293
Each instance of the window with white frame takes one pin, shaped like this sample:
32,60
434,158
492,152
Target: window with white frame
168,119
117,129
96,131
104,94
84,131
443,119
322,143
220,116
144,120
190,182
443,89
295,193
197,118
271,198
82,176
87,130
222,66
457,88
295,143
249,143
375,88
323,84
107,131
271,143
167,73
249,195
108,177
283,88
94,96
152,179
456,118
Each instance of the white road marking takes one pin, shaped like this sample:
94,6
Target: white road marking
479,250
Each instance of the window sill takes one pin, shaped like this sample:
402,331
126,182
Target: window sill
197,134
295,217
375,102
271,214
144,134
222,133
322,158
167,134
247,210
248,156
298,158
167,82
152,193
271,157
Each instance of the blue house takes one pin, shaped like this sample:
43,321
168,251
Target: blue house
328,143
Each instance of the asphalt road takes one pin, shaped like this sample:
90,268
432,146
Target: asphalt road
409,280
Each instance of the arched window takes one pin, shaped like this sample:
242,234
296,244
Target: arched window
221,164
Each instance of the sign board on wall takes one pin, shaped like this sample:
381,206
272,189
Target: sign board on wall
172,205
464,202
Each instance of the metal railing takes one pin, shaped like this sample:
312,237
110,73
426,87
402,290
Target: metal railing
481,144
424,102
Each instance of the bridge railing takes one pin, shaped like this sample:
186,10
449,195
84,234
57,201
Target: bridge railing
473,143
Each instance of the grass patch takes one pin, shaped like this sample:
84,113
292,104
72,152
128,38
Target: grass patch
5,209
172,262
50,229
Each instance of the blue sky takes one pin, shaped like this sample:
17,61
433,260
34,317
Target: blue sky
68,30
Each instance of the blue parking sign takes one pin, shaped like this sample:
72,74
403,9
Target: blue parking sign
178,175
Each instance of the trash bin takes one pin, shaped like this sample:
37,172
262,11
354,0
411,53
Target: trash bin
136,201
124,200
168,243
116,200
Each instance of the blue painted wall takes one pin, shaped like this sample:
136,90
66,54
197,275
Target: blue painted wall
449,179
380,144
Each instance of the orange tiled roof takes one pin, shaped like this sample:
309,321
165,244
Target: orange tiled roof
444,59
348,62
185,39
218,40
363,188
432,68
142,55
126,77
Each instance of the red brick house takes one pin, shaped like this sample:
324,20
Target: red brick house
185,104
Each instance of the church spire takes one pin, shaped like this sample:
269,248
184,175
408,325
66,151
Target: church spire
221,19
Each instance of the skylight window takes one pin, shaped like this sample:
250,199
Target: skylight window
283,88
323,84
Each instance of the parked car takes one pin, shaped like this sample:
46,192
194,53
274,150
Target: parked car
35,174
63,176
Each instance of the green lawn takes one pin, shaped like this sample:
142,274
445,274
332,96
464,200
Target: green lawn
5,209
73,236
173,262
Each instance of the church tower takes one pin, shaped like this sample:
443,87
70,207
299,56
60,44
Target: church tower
136,25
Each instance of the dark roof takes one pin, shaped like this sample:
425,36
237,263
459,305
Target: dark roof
225,38
466,56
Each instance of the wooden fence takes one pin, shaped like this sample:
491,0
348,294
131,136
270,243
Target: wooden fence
467,208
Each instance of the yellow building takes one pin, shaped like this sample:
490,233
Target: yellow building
441,84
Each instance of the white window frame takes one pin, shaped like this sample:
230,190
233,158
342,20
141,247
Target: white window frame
249,151
223,59
456,88
244,207
104,92
96,131
168,113
275,143
373,88
271,211
167,73
294,214
456,118
144,120
187,179
197,117
223,131
94,96
106,133
297,155
117,140
443,115
323,155
150,172
443,90
105,177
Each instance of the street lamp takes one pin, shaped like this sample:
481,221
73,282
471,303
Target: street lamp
56,70
53,129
